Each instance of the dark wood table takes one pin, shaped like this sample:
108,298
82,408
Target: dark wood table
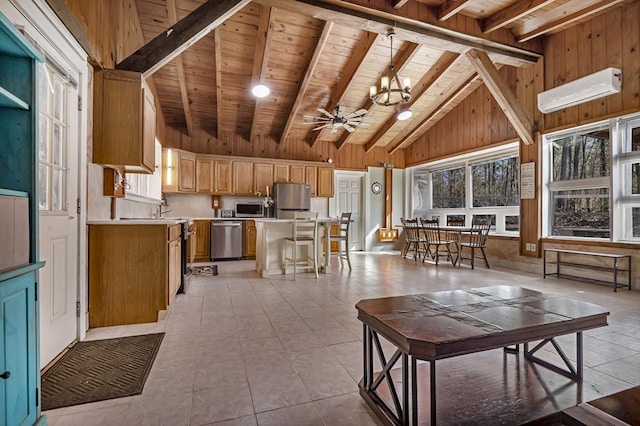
445,324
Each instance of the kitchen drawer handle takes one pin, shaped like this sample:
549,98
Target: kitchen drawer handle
5,375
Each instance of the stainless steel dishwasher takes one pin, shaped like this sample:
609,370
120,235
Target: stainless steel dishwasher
226,239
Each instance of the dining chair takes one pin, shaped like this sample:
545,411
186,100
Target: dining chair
304,233
436,239
343,237
477,240
415,238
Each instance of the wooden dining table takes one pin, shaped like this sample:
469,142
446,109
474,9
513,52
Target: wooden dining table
446,324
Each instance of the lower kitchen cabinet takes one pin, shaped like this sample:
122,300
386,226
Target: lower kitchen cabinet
134,272
18,342
202,230
250,234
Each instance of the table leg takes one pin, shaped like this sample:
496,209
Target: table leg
414,391
432,391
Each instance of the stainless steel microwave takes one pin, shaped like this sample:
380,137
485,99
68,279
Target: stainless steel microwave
249,210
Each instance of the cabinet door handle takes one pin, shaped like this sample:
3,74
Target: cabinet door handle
5,375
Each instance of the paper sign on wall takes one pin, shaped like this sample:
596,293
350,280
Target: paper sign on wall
528,180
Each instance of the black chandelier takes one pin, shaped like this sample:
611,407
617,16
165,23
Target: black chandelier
391,92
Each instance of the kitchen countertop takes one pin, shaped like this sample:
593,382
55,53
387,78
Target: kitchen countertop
136,221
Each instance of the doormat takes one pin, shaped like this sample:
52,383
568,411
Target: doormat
204,271
100,369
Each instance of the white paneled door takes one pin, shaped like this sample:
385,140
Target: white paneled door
58,152
349,199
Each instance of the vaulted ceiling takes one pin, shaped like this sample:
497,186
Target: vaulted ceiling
323,53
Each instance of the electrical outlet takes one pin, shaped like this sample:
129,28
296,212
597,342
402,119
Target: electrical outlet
533,247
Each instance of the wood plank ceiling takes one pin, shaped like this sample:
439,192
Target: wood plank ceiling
313,55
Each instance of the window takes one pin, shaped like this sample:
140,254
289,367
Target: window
580,169
143,187
592,181
482,185
52,146
448,188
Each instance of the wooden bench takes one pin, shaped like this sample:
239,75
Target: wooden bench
615,267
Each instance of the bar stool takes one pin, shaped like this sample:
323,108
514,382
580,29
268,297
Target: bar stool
304,233
343,236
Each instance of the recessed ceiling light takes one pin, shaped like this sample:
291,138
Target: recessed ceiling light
260,91
404,114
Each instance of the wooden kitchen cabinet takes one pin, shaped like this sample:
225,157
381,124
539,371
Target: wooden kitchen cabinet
204,175
124,121
243,178
297,173
202,248
133,272
311,179
263,177
186,172
223,177
175,258
280,173
325,182
250,234
178,171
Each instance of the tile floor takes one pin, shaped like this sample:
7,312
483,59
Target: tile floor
242,350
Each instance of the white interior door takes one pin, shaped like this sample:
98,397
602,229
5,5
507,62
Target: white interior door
58,141
349,199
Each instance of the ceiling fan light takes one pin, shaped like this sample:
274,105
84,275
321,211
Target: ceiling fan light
404,114
373,91
260,91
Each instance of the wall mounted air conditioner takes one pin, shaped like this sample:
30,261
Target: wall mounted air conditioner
588,88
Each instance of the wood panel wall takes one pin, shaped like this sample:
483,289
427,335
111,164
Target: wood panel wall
476,122
110,27
350,157
608,40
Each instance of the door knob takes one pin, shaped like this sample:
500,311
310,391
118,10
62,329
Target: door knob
5,375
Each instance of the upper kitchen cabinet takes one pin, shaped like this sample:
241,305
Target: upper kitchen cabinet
124,118
222,177
296,174
325,182
311,179
179,171
280,172
243,177
263,177
204,175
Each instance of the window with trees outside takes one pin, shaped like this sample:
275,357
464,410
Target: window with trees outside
592,181
483,185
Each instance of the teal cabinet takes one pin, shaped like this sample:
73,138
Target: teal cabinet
19,339
18,366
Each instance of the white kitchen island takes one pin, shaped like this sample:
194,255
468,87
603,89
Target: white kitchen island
271,246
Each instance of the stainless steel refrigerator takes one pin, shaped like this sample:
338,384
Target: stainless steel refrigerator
289,198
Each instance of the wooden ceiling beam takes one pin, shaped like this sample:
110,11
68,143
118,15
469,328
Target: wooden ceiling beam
217,47
397,4
403,140
569,19
411,24
176,39
260,59
503,95
182,81
400,62
512,13
358,57
450,8
440,67
304,84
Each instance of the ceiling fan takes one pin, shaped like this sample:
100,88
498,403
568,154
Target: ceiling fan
338,119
